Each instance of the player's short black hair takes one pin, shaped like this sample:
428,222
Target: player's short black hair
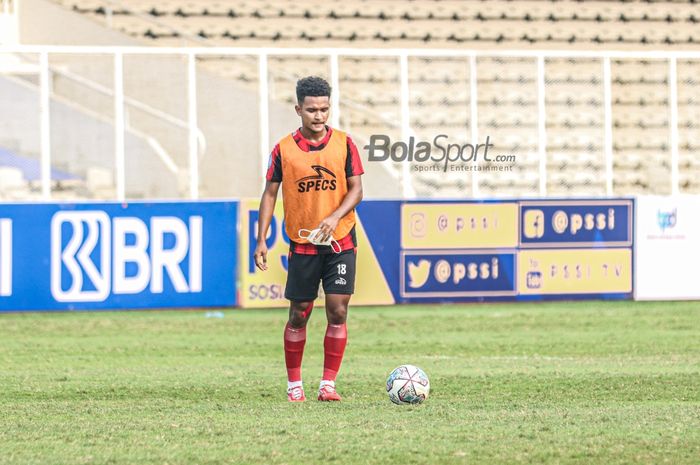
312,86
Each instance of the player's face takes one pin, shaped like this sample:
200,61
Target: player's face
314,113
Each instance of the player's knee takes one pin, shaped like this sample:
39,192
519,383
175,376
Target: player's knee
299,313
337,314
297,320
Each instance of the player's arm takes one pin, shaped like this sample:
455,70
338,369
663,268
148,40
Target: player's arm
350,201
267,208
273,178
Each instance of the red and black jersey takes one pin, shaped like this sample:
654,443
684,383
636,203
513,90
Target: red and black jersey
353,163
314,183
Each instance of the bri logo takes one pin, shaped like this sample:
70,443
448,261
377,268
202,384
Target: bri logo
92,257
667,220
317,182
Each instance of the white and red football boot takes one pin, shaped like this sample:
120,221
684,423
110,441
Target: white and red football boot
296,394
326,392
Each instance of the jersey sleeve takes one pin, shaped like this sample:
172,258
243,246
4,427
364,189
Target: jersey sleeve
274,166
353,163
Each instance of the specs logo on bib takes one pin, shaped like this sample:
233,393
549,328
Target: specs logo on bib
318,182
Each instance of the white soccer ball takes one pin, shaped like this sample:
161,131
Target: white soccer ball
407,384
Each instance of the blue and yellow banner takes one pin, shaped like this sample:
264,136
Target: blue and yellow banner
451,251
518,250
266,288
257,288
190,254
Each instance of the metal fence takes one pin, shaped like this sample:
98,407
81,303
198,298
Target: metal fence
141,100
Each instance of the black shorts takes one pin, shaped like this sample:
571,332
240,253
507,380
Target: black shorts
335,270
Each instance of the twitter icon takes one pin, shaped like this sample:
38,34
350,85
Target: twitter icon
418,274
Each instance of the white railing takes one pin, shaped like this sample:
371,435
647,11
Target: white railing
27,64
333,54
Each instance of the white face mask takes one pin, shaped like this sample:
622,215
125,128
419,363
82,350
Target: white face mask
314,237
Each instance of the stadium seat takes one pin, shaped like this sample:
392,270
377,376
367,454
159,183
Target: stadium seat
99,183
12,184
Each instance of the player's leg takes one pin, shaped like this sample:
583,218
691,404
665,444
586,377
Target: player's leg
336,335
339,284
294,342
303,271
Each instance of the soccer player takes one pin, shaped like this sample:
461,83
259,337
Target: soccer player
319,168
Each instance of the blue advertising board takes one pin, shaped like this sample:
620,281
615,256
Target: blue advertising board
458,273
474,250
576,223
118,255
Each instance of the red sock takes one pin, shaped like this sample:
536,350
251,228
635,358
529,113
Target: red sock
334,348
294,341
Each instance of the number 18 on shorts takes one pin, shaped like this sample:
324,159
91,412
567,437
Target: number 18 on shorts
305,272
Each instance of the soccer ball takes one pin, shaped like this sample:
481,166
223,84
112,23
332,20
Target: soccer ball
407,384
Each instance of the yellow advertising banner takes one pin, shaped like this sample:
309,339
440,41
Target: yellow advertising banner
459,225
265,289
574,271
262,288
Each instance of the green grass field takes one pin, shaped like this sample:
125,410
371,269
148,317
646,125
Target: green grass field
584,383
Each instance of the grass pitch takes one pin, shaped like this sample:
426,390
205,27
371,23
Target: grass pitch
575,383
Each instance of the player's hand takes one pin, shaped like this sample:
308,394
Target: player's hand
260,256
327,226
